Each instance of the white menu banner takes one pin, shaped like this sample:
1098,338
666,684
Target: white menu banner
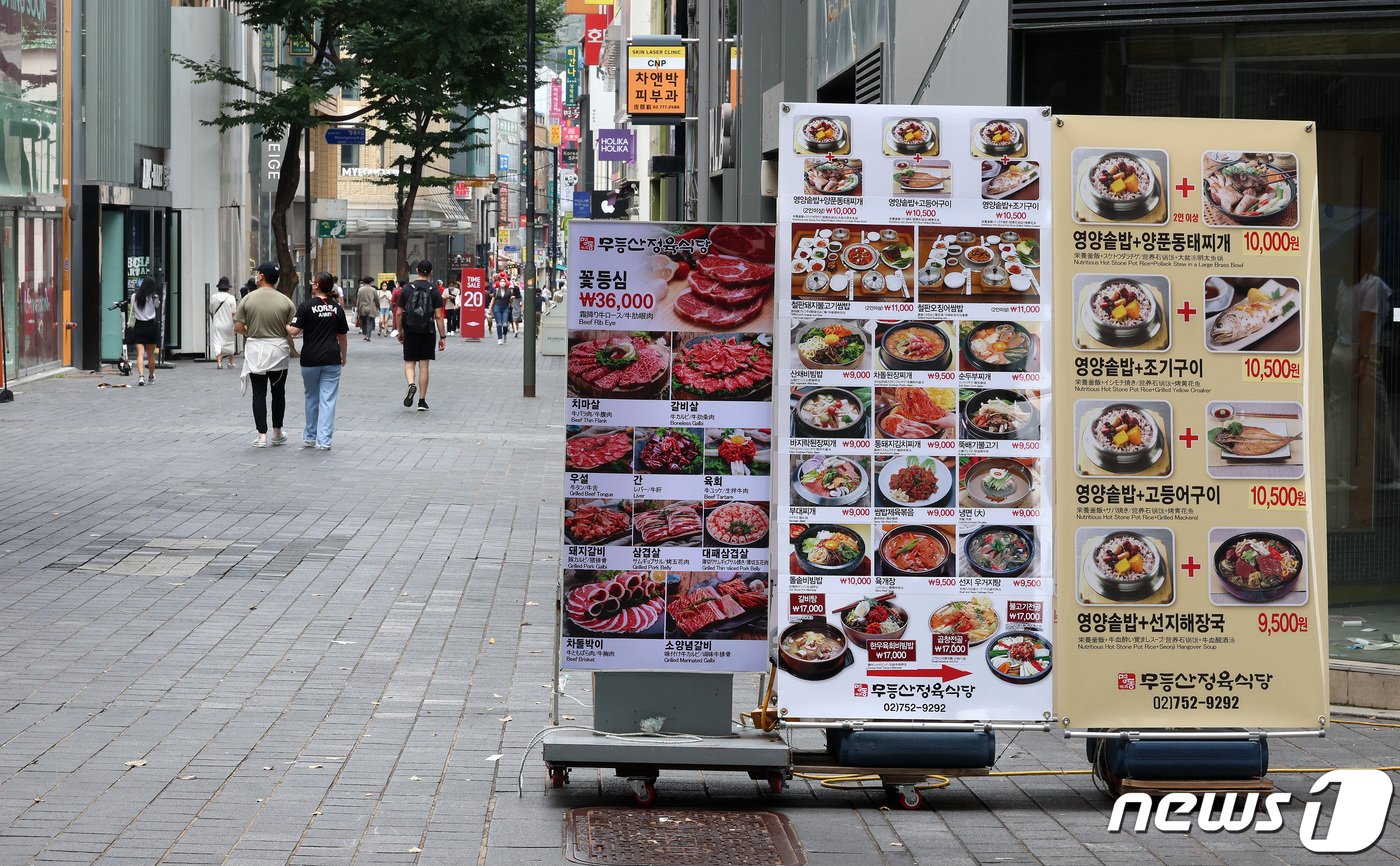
913,483
668,448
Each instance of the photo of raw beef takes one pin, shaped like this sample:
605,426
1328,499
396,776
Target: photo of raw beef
724,606
755,243
616,604
723,367
618,366
730,284
600,449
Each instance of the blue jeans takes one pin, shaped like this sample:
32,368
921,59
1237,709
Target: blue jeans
502,317
322,385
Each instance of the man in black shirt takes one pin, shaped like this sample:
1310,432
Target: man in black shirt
418,317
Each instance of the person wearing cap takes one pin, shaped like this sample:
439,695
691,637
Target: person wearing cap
263,317
221,308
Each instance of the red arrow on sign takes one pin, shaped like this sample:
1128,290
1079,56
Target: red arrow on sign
942,672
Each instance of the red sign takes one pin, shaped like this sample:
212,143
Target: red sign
892,651
807,604
473,303
461,189
572,134
556,97
594,26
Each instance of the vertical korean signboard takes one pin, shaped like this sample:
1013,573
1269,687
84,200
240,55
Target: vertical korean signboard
656,80
912,545
668,455
1192,567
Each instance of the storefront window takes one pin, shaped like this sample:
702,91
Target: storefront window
1340,77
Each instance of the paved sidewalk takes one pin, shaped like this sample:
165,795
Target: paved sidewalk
212,653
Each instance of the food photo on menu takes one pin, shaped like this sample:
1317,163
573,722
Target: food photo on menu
915,551
830,480
910,136
831,413
814,649
669,451
598,449
620,604
1252,566
915,412
1253,314
736,524
916,345
1252,439
666,523
852,263
999,137
1120,186
914,481
1243,188
999,347
615,365
738,451
1120,438
1010,181
999,551
598,521
999,482
968,264
831,344
829,549
834,176
822,135
722,605
735,366
922,176
1125,566
999,414
1122,312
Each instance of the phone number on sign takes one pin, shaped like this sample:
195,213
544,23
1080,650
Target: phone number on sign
914,708
616,300
1192,702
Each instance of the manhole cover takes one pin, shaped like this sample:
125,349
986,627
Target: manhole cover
662,837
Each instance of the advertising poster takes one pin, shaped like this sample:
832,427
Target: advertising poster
669,447
912,483
1191,571
473,303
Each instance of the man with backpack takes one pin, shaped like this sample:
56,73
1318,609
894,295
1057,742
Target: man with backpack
418,318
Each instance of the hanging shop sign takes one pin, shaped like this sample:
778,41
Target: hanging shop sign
912,537
572,72
585,7
583,204
1193,569
570,134
555,134
556,99
668,455
617,145
595,25
656,80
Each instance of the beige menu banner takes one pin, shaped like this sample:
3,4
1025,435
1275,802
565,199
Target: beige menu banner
1191,578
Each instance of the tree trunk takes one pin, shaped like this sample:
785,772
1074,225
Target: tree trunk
287,183
404,215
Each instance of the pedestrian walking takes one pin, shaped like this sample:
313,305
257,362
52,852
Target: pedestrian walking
221,308
322,327
247,287
517,311
145,329
386,300
366,306
418,318
451,305
263,317
500,309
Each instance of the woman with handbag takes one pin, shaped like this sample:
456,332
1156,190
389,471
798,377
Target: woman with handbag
221,308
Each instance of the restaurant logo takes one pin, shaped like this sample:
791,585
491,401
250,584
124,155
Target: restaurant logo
1127,682
588,243
862,690
1357,820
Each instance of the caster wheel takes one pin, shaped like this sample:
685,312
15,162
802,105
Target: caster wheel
910,800
643,792
558,778
775,782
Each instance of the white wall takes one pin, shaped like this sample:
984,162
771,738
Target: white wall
209,181
973,69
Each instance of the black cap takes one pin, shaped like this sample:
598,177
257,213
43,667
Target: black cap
425,267
270,273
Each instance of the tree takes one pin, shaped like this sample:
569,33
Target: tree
429,69
287,108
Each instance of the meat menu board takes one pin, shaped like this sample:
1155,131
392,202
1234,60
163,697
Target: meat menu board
669,447
1192,569
912,538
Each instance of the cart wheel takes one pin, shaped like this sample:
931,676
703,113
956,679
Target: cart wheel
644,792
910,799
124,368
775,782
558,777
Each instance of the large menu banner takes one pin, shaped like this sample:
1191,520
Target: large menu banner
669,447
912,485
1192,574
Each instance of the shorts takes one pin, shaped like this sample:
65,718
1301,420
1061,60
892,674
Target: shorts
420,347
383,311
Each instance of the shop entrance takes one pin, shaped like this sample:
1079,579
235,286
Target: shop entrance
29,289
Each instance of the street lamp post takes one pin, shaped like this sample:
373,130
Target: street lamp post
529,299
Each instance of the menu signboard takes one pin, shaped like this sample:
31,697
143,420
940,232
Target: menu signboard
913,481
1192,571
668,449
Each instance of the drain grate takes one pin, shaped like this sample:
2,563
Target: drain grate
680,837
